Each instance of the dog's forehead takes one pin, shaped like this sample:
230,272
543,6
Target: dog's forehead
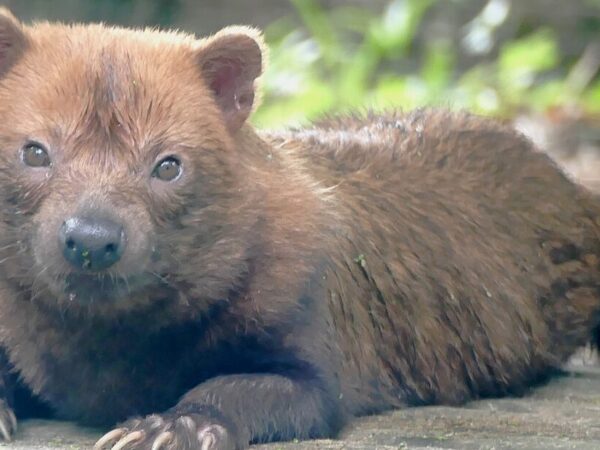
115,92
96,88
114,77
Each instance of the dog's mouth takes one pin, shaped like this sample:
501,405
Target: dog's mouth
88,288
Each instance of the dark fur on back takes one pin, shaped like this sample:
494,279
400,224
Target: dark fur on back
285,282
454,273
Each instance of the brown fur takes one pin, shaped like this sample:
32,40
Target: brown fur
285,281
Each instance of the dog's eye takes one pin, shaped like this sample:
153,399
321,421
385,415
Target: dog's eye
35,155
167,169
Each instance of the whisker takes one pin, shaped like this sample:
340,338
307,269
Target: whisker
9,246
38,293
38,275
126,280
8,258
162,278
172,253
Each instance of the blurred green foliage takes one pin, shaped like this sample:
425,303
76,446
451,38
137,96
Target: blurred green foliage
349,58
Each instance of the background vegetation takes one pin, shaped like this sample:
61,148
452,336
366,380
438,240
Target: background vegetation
349,57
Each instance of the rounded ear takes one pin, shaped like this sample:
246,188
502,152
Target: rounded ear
230,62
12,40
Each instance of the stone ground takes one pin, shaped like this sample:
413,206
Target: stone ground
563,414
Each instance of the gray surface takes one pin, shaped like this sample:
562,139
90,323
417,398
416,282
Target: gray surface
563,414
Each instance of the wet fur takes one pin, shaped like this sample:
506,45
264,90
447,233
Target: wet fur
293,279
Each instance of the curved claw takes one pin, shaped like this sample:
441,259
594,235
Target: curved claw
129,438
207,442
13,420
209,436
162,440
110,437
4,430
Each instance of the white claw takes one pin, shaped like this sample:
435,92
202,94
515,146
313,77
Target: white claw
187,422
4,430
207,442
131,437
109,437
212,436
155,421
13,420
163,438
208,436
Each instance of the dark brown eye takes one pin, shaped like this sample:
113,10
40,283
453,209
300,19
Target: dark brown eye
35,155
167,169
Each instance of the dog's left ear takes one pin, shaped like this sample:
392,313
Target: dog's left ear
230,62
12,40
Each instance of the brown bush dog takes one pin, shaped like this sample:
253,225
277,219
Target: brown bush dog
166,267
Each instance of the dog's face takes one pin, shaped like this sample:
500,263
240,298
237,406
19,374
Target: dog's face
118,173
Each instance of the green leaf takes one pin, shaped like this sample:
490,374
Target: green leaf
591,98
438,67
396,29
535,52
409,92
321,28
522,60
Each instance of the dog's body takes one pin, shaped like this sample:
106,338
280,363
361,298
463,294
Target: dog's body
161,259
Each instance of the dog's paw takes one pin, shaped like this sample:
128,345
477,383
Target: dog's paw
169,432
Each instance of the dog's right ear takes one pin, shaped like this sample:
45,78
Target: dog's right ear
230,62
12,40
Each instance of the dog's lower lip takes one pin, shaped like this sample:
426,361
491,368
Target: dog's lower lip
88,280
84,286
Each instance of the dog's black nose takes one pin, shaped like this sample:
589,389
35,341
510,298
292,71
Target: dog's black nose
91,243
